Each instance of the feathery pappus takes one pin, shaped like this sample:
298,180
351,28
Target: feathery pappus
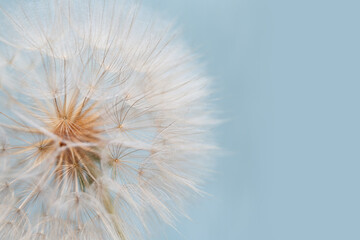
104,121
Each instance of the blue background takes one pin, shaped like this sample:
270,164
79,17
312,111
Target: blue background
288,79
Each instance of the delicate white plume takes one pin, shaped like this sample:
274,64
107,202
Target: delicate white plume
104,121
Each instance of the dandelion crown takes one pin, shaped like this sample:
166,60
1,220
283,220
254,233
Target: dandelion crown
104,121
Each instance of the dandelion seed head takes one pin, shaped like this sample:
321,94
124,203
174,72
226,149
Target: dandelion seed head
104,121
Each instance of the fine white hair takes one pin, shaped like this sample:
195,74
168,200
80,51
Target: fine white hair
104,121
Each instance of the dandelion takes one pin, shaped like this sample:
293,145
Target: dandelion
103,121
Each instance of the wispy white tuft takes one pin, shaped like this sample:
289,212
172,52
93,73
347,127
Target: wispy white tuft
104,121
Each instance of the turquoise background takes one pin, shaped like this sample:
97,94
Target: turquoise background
288,79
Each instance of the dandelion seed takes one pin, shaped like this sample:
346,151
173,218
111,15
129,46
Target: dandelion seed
103,121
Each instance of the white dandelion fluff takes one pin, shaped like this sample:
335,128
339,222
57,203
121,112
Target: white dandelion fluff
104,121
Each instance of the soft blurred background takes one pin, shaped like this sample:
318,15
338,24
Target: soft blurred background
287,76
